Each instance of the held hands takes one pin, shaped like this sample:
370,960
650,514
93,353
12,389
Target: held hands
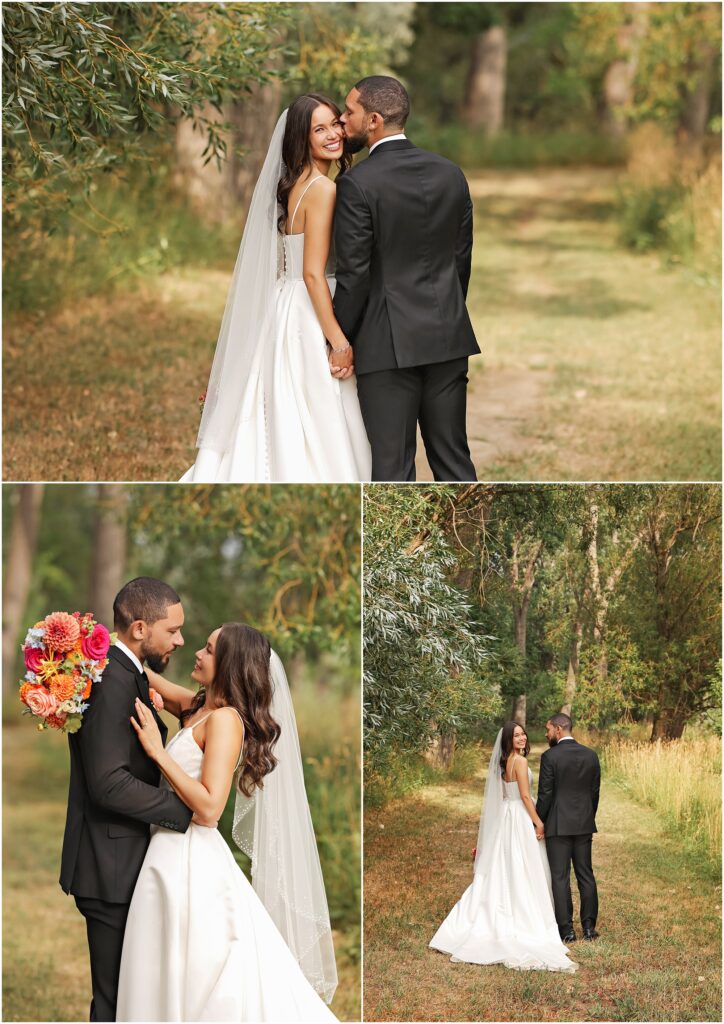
341,362
540,831
147,731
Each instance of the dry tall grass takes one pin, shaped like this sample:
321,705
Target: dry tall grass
681,779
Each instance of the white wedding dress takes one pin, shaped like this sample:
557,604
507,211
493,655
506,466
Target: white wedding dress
303,425
506,915
199,944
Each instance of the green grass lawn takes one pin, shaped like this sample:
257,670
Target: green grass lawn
597,363
46,975
658,957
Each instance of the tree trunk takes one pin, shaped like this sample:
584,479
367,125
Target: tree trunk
219,193
695,115
573,665
484,104
19,571
668,725
109,550
620,74
520,617
519,709
442,749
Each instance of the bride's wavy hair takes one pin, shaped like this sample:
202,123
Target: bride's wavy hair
506,744
243,681
297,146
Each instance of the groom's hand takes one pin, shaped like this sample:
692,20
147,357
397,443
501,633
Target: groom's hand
540,832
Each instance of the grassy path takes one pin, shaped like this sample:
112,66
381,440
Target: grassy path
46,975
658,958
597,363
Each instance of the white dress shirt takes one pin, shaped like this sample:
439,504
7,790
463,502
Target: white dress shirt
565,738
129,654
387,138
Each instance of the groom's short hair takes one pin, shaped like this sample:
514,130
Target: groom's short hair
381,94
563,720
144,598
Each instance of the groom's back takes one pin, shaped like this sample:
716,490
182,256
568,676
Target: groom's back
576,781
417,207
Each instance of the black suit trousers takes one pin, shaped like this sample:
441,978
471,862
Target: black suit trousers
392,403
562,850
106,925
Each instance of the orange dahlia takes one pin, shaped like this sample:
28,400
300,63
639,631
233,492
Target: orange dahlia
62,631
88,686
62,687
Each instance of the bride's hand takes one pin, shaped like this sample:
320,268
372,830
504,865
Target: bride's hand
341,362
207,823
147,730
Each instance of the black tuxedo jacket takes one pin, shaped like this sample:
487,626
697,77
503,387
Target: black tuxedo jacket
568,789
113,794
403,235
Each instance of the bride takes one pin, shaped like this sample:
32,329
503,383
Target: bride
201,943
281,403
505,916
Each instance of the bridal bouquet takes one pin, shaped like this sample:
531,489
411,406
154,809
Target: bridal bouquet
64,656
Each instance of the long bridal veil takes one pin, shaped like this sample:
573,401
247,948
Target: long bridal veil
240,376
491,809
274,828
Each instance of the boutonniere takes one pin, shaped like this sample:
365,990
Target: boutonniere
156,698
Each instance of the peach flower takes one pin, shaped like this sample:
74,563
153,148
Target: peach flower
41,702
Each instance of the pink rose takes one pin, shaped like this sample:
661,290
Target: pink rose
96,645
41,702
35,656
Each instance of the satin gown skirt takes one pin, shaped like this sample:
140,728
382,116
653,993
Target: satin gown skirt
314,430
506,915
199,944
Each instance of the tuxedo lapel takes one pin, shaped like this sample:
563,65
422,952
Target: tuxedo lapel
141,680
142,686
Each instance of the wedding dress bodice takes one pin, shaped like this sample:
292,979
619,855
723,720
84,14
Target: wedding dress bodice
511,790
186,752
294,258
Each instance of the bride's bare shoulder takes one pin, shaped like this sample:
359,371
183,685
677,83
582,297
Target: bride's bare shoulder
324,190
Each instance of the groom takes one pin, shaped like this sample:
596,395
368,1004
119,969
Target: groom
114,790
403,238
568,788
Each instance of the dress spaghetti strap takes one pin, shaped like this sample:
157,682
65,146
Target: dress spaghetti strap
304,192
192,727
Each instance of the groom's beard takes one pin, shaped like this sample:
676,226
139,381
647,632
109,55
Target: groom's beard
354,143
553,742
155,661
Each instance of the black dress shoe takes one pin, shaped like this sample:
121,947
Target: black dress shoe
589,933
569,938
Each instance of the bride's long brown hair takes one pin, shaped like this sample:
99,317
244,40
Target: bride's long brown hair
297,146
242,680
